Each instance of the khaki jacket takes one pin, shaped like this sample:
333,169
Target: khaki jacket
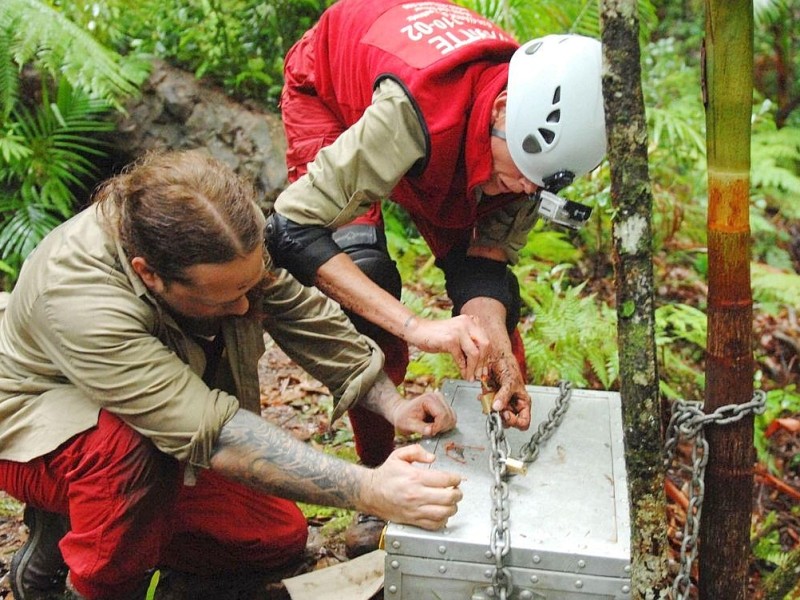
81,332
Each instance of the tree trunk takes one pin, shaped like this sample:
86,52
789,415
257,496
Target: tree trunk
632,198
727,508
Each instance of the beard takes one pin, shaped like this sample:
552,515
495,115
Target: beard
209,326
202,326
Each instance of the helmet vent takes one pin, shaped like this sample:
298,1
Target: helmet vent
531,145
548,134
554,117
557,95
531,49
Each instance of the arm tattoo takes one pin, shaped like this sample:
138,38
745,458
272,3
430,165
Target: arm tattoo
264,457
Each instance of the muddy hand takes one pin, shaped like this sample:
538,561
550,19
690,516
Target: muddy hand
511,398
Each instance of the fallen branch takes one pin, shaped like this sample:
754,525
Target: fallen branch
764,476
674,494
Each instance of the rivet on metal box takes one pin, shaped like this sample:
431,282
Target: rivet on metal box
560,530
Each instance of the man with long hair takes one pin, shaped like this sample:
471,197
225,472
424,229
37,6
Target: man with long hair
129,397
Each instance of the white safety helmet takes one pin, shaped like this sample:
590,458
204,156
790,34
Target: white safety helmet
555,122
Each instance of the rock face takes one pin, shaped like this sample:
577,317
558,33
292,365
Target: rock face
175,111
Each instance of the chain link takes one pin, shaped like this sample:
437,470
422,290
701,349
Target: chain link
530,451
500,535
687,422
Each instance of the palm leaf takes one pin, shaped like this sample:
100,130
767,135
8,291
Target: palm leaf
58,136
57,46
27,225
9,77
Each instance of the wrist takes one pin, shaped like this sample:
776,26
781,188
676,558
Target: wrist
366,501
382,398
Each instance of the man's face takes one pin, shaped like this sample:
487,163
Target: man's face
506,177
213,291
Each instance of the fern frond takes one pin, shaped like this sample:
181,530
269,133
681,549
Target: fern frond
9,76
774,156
57,46
570,337
681,322
772,285
12,150
25,228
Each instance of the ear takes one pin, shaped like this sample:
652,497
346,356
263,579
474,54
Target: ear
146,273
499,106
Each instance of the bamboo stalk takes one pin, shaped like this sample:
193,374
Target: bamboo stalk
728,78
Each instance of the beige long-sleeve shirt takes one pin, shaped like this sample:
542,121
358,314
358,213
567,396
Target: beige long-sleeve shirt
364,165
82,333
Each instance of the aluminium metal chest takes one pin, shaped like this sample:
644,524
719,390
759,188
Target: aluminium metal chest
568,518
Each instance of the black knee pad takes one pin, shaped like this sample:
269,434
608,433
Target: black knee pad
366,247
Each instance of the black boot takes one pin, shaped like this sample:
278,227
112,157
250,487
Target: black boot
363,535
38,571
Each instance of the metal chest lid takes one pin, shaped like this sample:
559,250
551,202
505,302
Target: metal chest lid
568,513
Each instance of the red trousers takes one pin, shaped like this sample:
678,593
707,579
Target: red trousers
129,513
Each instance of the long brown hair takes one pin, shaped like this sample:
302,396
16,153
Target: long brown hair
179,209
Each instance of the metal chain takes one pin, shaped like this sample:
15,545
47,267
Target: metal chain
530,451
500,535
688,421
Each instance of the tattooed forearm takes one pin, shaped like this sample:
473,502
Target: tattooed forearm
263,456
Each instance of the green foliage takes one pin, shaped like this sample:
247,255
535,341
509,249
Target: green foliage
57,47
571,337
771,286
780,403
676,135
9,79
48,142
238,44
769,243
775,158
549,245
681,341
47,159
527,20
767,544
151,589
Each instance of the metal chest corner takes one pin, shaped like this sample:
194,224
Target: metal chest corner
568,517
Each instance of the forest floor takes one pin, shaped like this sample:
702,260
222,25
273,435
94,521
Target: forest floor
300,404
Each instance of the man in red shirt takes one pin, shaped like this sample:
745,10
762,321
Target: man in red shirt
434,107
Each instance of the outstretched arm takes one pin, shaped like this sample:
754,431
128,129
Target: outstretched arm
360,168
462,337
264,457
